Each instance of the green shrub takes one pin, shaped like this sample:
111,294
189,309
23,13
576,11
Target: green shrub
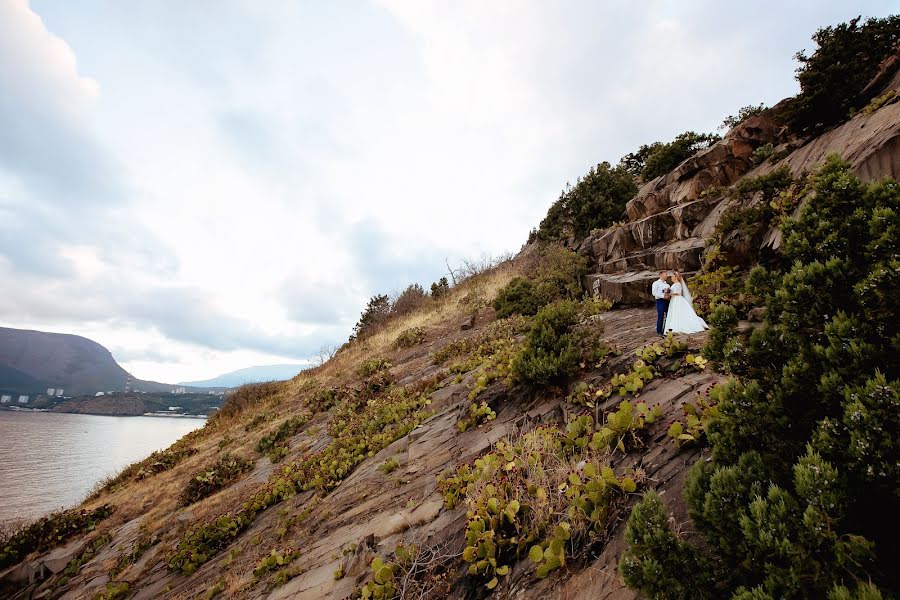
213,478
744,113
274,445
762,154
653,160
595,202
846,59
50,531
658,562
551,351
440,288
556,277
410,337
376,314
804,461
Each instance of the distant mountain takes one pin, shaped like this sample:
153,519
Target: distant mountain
32,361
39,360
250,375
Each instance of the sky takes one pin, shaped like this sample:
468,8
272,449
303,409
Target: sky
208,185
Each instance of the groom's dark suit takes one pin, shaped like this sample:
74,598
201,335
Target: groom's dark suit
662,303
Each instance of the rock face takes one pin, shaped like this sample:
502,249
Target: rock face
673,216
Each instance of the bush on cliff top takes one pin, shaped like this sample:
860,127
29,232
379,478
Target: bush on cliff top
596,201
556,277
799,497
847,58
658,158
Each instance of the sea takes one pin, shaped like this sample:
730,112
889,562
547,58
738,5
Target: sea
50,461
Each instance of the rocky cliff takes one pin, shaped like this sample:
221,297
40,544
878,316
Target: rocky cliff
348,491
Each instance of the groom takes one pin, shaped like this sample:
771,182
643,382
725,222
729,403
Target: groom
660,291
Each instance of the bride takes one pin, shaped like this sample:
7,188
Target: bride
681,317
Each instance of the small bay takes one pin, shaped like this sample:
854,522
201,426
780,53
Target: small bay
50,461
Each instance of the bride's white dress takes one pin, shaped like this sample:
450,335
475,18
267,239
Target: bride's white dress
681,317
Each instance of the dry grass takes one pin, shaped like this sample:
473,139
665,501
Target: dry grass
465,299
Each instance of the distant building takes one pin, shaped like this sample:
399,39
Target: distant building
59,392
51,391
99,394
5,399
23,399
174,408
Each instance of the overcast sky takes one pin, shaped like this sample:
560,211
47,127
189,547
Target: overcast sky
207,185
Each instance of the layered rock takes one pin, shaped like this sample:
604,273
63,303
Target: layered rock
672,217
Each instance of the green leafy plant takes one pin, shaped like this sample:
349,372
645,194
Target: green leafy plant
698,416
50,531
550,352
804,451
389,465
214,478
274,445
479,412
410,337
653,160
275,560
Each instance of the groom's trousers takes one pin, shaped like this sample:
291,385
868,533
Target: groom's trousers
661,307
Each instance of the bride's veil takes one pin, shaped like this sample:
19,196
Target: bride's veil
685,292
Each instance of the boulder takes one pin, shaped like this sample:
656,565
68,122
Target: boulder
467,323
627,288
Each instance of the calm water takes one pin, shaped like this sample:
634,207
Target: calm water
52,460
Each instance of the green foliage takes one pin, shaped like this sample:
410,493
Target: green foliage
376,314
658,562
274,445
596,201
389,465
373,366
115,590
473,350
653,160
538,496
556,277
762,154
804,461
743,114
478,413
410,337
383,585
551,351
213,478
888,97
256,422
274,561
846,59
50,531
698,416
440,288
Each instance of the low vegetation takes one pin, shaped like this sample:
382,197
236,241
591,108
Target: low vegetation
658,158
214,478
50,531
274,444
804,462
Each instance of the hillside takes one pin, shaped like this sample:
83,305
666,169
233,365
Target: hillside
74,363
511,437
32,361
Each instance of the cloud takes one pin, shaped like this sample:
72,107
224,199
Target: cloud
204,192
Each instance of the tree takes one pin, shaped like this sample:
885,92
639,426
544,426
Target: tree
653,160
743,114
798,499
596,201
439,288
375,314
847,58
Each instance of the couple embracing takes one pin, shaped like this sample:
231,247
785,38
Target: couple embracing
674,306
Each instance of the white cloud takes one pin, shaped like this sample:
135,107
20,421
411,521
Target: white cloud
201,191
